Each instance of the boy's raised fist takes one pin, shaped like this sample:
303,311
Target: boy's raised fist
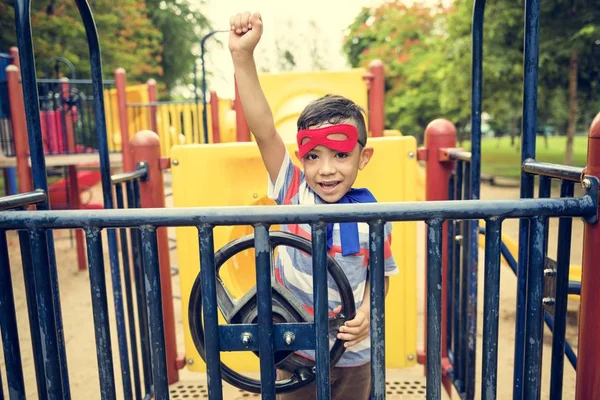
245,32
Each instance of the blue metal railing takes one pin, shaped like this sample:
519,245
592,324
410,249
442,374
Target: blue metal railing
460,282
8,318
148,220
132,248
462,285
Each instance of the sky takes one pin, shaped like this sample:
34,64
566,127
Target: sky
331,17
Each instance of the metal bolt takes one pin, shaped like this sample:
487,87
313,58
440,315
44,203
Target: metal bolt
411,154
548,301
586,183
190,361
288,338
175,162
246,338
255,195
549,272
410,357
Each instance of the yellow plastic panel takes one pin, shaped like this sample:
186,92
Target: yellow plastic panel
231,174
288,93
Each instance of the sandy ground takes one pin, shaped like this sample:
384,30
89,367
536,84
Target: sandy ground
79,332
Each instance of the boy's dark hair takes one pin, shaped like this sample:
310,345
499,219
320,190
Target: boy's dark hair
333,109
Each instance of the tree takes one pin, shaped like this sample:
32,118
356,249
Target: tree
408,39
431,77
570,32
127,37
181,28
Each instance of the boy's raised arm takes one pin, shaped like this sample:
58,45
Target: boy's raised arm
245,32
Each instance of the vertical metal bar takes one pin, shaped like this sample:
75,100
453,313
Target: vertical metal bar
377,328
100,307
38,164
58,314
464,290
534,328
32,309
491,309
46,314
456,289
544,191
472,308
101,135
457,284
265,321
450,261
144,320
210,311
133,200
129,295
8,326
530,78
154,304
434,309
119,312
476,95
475,183
563,259
319,251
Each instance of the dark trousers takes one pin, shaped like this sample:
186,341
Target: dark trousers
349,383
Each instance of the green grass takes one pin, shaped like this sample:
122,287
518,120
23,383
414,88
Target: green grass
500,159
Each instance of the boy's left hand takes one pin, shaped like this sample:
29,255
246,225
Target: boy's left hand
355,330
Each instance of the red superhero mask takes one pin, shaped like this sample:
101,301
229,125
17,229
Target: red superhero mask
320,136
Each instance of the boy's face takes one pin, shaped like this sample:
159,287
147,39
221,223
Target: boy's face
331,173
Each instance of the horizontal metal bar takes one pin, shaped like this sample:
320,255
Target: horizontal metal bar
557,171
140,173
408,211
304,336
162,103
460,155
574,287
74,81
22,199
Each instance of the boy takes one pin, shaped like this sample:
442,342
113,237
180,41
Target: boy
332,148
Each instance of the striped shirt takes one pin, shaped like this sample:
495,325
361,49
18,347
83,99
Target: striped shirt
293,268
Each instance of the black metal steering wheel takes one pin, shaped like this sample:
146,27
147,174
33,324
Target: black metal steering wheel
286,309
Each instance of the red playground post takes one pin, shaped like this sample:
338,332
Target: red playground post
376,98
440,136
588,372
242,130
214,115
145,147
19,127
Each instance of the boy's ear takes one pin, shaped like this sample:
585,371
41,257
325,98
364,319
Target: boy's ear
365,157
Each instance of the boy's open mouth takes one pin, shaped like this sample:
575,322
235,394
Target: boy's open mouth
329,186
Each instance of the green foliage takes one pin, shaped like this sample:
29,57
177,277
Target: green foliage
427,54
181,28
501,159
408,39
149,38
127,37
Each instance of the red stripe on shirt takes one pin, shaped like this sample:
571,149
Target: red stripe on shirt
293,187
